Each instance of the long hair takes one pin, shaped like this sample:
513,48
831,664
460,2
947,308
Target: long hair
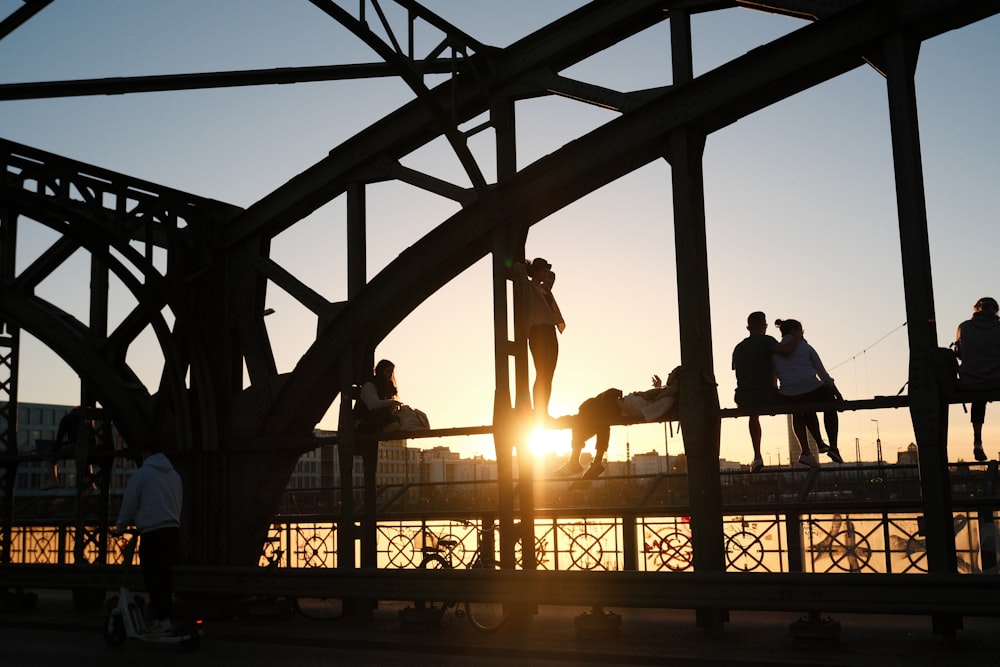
787,327
384,383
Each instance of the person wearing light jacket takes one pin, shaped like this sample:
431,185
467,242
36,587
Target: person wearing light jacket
803,379
152,503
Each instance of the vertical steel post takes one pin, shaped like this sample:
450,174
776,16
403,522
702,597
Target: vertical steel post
508,245
928,409
9,348
699,399
357,277
347,533
10,336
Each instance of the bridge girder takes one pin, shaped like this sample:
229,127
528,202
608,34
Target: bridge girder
218,267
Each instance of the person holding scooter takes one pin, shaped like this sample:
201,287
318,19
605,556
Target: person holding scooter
152,503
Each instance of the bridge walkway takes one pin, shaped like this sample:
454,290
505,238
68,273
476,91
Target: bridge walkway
645,637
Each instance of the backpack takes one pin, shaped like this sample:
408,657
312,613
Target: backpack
946,369
604,405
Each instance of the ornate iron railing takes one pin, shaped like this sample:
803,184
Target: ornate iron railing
855,521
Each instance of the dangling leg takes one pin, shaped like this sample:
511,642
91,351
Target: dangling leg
755,437
52,481
572,467
812,425
603,433
978,417
799,427
831,421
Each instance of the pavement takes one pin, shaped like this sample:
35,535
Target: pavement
552,635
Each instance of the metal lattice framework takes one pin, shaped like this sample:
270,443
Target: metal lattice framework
197,271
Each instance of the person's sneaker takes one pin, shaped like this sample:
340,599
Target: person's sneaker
822,448
979,453
835,455
594,471
50,484
568,469
757,465
808,460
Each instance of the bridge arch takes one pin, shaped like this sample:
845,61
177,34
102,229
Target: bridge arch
650,127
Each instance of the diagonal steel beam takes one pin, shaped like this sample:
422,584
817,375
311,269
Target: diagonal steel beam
208,80
19,16
816,53
566,41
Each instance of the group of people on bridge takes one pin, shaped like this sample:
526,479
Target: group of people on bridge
770,372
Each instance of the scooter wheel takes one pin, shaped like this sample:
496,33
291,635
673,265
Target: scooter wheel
114,631
192,634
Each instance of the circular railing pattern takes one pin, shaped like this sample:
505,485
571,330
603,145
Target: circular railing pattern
838,543
745,551
671,551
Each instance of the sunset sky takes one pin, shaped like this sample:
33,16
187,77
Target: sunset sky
801,213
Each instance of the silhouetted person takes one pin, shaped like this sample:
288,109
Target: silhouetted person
756,383
375,409
977,344
533,287
803,379
152,503
73,438
597,414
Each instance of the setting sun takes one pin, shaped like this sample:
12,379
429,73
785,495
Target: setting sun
543,442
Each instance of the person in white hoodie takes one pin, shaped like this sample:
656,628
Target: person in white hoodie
977,344
152,503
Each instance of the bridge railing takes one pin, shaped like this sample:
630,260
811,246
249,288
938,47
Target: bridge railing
854,519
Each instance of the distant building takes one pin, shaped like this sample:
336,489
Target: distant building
440,464
397,464
909,457
40,421
650,463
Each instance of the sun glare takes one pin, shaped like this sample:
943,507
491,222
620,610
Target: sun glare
543,442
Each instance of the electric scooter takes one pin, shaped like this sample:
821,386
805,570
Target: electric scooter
125,618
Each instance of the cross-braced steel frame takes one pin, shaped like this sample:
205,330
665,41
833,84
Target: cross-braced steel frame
197,270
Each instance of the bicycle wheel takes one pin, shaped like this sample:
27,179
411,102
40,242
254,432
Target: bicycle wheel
486,616
433,562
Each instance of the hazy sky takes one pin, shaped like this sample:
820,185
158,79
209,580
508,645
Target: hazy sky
800,201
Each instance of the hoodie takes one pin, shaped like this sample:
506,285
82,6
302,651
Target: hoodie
153,496
979,349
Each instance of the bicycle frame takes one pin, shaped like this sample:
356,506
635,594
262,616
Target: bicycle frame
483,616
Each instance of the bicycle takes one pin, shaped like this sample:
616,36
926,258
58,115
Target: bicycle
439,553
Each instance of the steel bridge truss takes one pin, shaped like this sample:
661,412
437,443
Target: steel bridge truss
196,271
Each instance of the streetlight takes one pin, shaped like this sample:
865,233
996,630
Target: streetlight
878,442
